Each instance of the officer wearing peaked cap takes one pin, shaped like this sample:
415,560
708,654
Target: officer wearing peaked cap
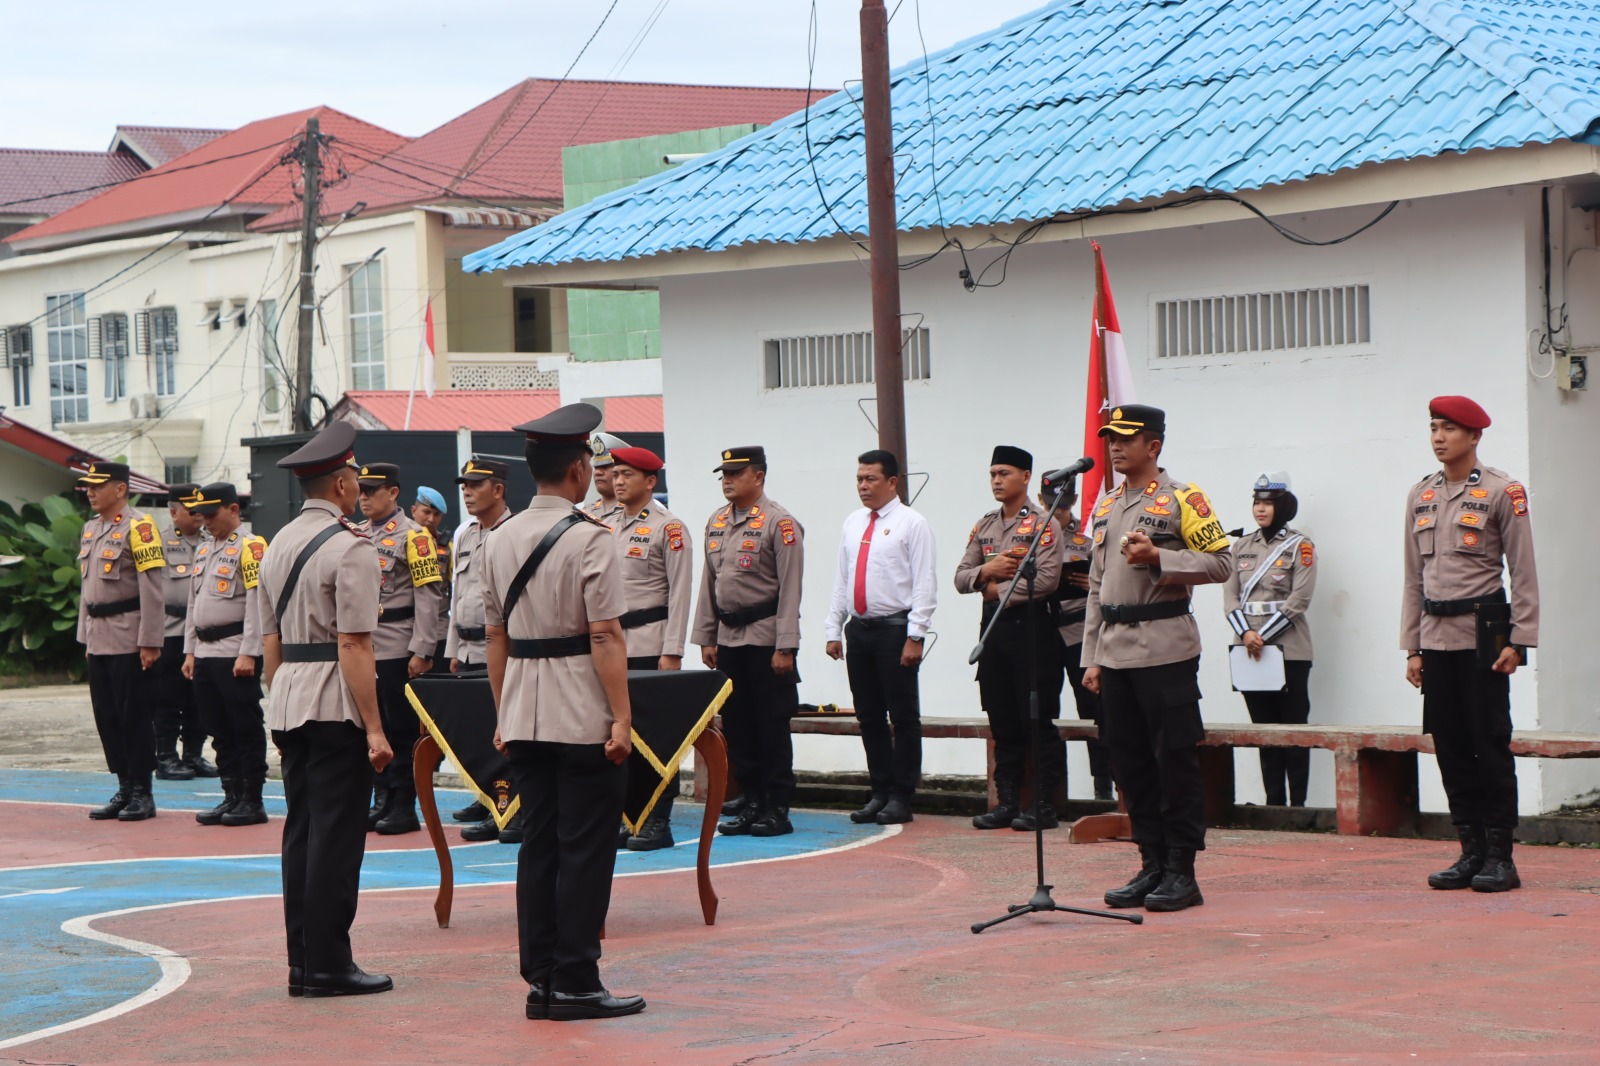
323,711
176,715
558,664
604,446
1464,637
121,617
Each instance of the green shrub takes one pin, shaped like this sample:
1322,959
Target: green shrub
39,594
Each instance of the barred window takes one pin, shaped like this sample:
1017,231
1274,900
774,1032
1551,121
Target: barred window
1289,320
837,359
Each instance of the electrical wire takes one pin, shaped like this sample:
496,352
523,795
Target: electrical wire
163,172
805,125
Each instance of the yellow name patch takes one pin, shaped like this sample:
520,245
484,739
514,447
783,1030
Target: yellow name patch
422,559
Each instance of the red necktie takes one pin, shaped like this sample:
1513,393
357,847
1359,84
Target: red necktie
861,566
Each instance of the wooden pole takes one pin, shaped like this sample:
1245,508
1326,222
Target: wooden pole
311,167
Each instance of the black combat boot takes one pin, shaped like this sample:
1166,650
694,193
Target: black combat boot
514,832
624,834
380,804
1467,865
655,834
1143,883
473,812
1103,788
733,806
1499,873
195,759
477,832
230,796
401,816
249,809
115,805
141,804
748,815
1001,815
1024,822
774,822
168,766
1177,890
869,813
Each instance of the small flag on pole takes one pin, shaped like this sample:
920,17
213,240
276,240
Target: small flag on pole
1110,385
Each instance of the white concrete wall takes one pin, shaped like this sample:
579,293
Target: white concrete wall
1449,282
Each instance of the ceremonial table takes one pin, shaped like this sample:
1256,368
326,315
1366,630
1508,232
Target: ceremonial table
673,710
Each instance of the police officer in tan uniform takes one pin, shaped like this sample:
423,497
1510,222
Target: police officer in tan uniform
222,652
747,624
411,624
1266,598
176,714
602,445
121,617
658,577
1022,654
1465,524
553,597
323,711
429,511
1154,536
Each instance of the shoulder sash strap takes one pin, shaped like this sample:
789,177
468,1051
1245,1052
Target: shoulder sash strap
300,564
524,575
1266,564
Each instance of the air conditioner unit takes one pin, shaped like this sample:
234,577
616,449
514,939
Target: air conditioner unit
144,406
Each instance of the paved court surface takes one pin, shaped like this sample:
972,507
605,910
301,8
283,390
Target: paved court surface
1310,949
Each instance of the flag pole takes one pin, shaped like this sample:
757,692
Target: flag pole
1105,376
411,397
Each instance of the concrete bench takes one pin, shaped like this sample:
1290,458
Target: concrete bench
1375,766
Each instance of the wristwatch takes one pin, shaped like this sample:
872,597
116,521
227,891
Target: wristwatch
916,640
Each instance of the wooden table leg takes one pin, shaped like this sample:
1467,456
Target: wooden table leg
711,752
425,760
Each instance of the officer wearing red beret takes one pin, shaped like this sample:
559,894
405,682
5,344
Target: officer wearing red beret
1464,638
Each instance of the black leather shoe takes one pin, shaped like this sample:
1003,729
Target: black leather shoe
1142,884
538,1007
999,817
1103,789
655,834
1461,872
230,796
869,813
741,822
573,1006
1499,873
774,822
1178,889
476,832
731,807
171,768
475,812
353,982
624,834
197,761
894,812
513,832
141,805
114,806
1024,822
297,981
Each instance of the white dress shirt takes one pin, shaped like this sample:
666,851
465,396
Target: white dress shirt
901,570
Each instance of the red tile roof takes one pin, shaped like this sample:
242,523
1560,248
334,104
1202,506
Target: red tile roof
508,150
160,145
493,410
239,170
36,182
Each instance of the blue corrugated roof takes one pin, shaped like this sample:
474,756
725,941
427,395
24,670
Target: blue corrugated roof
1084,105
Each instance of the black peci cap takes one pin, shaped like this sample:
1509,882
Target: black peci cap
212,498
1133,418
323,454
100,472
379,475
482,470
736,459
1009,455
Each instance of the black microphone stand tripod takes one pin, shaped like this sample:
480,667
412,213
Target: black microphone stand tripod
1041,900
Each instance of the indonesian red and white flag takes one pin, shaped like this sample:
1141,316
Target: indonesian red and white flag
425,352
1110,385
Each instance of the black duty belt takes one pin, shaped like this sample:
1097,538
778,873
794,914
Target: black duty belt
1451,608
643,617
106,610
898,620
1129,613
212,634
745,616
396,614
1071,615
550,647
311,653
472,632
175,610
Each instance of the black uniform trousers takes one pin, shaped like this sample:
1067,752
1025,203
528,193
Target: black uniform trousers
1152,726
400,722
571,804
177,715
1088,704
327,781
232,710
755,722
888,704
1468,711
121,694
1292,706
663,807
1004,684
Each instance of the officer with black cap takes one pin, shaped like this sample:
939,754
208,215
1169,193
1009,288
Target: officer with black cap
411,624
747,623
176,714
1154,537
1266,598
558,665
222,652
1023,654
318,593
121,617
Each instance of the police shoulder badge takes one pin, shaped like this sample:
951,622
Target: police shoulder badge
146,544
250,561
788,530
1307,553
422,560
1519,499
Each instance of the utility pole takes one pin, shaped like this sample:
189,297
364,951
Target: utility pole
311,168
883,229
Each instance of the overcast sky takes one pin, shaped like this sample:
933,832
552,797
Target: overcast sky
74,72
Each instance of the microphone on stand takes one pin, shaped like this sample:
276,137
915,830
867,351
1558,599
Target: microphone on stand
1070,471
